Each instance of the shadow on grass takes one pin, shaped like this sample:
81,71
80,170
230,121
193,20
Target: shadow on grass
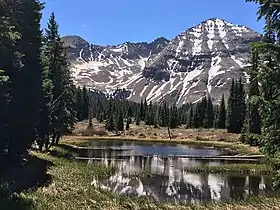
14,180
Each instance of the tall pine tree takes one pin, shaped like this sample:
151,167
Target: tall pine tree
267,74
62,106
24,82
209,115
221,122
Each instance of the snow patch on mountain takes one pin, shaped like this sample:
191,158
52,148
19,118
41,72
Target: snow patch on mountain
198,62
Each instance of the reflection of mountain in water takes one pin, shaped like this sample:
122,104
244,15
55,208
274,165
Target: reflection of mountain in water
168,181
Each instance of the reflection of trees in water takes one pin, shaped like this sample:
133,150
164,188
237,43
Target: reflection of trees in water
169,182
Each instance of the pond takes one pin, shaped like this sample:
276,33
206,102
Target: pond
158,171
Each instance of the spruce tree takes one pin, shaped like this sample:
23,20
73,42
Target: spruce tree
120,123
266,71
79,104
142,111
196,119
110,123
231,109
137,118
209,115
241,106
253,122
150,115
222,114
62,109
85,103
190,122
9,64
25,81
127,123
173,117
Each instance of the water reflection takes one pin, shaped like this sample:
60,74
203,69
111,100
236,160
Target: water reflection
165,178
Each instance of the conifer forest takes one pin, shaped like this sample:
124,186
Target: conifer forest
40,104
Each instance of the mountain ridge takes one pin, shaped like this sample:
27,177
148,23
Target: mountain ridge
199,61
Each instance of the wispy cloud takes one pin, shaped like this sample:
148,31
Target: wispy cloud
84,25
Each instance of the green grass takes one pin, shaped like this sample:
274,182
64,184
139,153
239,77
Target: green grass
235,168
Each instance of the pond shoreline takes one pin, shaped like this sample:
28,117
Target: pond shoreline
238,147
73,190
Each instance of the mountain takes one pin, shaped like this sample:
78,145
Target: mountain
200,61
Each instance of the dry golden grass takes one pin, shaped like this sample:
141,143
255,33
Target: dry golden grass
200,137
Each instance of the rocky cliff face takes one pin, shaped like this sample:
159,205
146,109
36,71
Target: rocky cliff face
198,62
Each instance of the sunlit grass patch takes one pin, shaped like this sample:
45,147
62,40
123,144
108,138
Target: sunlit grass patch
249,169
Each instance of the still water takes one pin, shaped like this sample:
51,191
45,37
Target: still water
158,171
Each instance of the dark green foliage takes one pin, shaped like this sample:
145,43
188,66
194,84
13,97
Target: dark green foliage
202,108
253,121
110,123
236,110
190,121
221,115
9,61
137,118
79,104
90,121
62,109
120,123
195,120
209,115
22,64
163,115
128,120
85,104
265,74
173,123
150,115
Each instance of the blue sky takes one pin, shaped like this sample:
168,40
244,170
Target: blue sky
109,22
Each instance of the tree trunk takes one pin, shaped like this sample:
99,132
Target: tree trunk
57,139
169,134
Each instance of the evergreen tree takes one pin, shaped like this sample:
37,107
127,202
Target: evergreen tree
196,117
150,115
163,115
24,82
231,110
222,114
142,111
127,123
79,104
216,110
241,106
90,121
236,107
129,112
156,119
62,109
110,124
137,118
209,115
173,117
85,103
9,64
267,73
190,122
253,121
120,124
202,108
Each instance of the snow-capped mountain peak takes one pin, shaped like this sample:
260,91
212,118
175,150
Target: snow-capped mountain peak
198,62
